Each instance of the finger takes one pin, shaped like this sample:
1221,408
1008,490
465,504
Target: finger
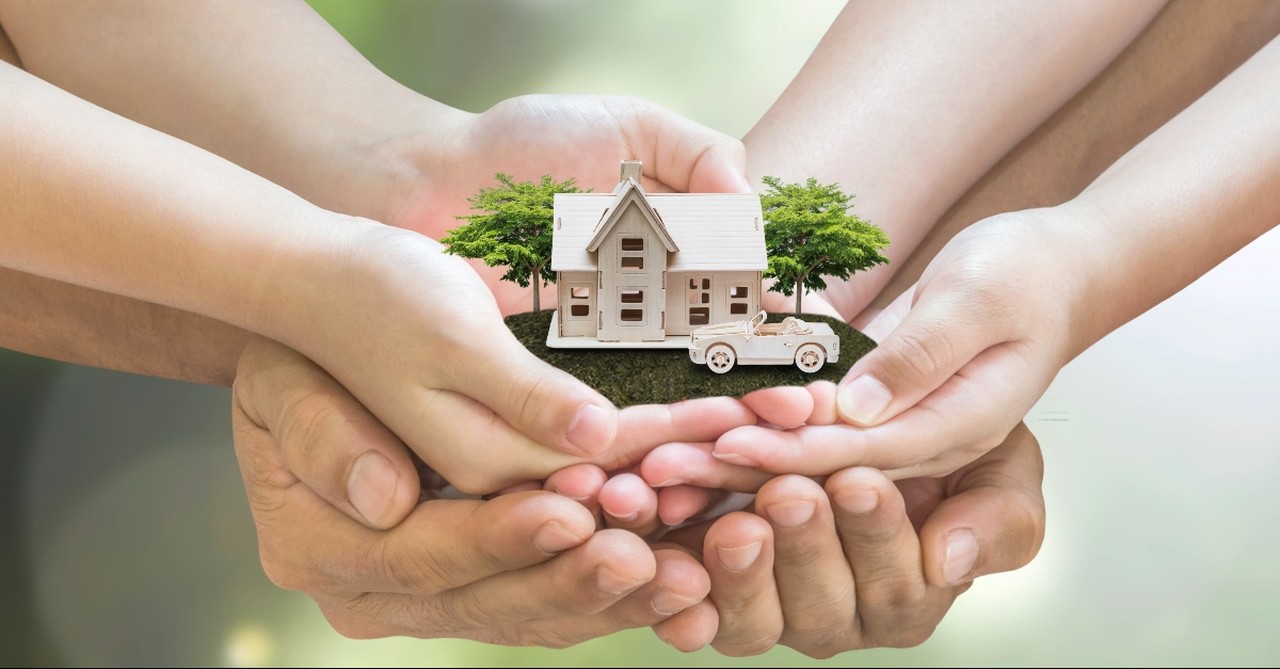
784,407
814,579
823,395
896,606
678,504
953,426
546,404
691,629
583,580
325,436
686,156
443,544
878,324
694,464
679,583
995,519
738,555
580,483
938,337
630,504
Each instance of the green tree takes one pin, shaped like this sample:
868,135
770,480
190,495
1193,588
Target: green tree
514,231
810,233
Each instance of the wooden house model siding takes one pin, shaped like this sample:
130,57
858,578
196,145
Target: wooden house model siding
638,267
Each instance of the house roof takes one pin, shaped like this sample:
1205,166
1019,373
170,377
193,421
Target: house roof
627,191
713,231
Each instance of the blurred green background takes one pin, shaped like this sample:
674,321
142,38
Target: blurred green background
127,539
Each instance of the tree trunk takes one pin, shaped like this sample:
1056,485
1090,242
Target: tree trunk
537,289
799,294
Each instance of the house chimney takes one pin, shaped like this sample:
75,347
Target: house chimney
630,170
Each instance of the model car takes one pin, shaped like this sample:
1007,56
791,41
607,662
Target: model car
754,342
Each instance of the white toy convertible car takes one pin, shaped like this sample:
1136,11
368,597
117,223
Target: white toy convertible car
752,342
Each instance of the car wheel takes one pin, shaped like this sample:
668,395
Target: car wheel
810,358
721,358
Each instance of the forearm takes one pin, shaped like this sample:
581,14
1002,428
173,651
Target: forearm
1183,200
57,320
907,105
267,85
89,198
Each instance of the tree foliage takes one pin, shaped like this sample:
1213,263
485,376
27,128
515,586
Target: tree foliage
514,230
810,234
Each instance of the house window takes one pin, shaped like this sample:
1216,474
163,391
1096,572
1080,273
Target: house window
699,315
633,244
632,296
580,301
633,315
633,263
699,295
738,299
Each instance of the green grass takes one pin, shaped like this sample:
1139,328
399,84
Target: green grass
640,376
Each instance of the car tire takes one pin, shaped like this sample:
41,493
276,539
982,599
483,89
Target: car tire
810,358
721,358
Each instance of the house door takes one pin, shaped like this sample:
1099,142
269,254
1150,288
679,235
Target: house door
698,309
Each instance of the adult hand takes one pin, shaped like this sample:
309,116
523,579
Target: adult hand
984,333
523,569
566,136
860,562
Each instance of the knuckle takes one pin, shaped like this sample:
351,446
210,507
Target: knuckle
922,354
417,571
281,571
350,625
820,641
903,594
748,647
306,419
465,609
910,635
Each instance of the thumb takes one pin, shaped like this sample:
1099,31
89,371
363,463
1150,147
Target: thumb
326,438
546,404
938,336
995,519
687,156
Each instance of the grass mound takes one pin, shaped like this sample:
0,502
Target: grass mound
647,376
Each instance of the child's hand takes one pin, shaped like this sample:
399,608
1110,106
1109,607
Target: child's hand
988,327
417,338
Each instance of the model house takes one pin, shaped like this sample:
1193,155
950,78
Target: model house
641,268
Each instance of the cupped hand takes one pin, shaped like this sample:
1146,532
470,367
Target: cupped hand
961,359
862,563
566,136
322,475
417,338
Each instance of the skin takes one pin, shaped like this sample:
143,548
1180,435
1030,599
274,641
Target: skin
1016,291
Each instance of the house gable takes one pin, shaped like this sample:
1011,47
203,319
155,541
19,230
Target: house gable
628,194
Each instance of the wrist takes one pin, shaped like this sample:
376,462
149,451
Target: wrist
1077,235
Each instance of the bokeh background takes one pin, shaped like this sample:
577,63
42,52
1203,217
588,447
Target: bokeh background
126,537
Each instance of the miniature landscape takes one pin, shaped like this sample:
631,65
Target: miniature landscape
647,376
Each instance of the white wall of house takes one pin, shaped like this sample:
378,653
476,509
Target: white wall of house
695,299
577,303
632,262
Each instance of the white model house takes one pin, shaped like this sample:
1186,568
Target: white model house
638,268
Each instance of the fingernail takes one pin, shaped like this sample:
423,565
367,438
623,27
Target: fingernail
961,555
858,502
863,400
371,485
744,186
669,603
627,518
589,430
792,514
667,483
735,459
609,581
738,559
553,538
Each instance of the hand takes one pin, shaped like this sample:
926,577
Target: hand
989,325
567,136
521,569
417,338
860,563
